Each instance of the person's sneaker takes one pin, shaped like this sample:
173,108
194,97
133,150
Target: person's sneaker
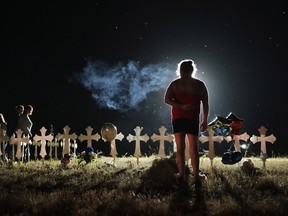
181,185
180,181
202,176
198,183
177,175
178,178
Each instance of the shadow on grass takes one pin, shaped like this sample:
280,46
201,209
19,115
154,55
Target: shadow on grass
159,180
244,207
189,201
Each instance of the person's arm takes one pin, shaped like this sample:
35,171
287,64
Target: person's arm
205,107
29,126
169,97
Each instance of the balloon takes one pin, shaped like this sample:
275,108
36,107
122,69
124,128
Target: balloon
236,123
231,125
221,126
108,131
231,157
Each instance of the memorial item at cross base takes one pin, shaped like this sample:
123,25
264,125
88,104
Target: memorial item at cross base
88,155
231,157
65,160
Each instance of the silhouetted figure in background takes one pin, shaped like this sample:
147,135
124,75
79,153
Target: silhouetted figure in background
25,124
19,109
12,128
3,132
186,95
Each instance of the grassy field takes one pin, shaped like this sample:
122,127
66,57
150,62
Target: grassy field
103,187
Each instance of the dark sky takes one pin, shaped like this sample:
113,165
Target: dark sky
239,48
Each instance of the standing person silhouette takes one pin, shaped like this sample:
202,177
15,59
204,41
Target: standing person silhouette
187,95
19,111
25,124
3,132
12,128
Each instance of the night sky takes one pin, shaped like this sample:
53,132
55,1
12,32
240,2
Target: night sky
84,64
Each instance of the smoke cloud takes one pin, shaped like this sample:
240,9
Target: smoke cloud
124,86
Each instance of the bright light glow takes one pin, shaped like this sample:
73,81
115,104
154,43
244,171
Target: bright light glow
244,146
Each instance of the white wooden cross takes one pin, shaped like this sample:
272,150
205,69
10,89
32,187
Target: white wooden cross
3,139
254,139
43,139
236,139
66,139
74,146
162,138
211,139
89,137
113,151
28,148
19,140
187,148
137,138
13,148
54,144
36,144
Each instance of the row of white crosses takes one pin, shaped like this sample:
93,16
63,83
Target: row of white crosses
161,138
236,138
211,139
65,138
113,152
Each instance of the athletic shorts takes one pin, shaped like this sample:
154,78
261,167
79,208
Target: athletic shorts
185,125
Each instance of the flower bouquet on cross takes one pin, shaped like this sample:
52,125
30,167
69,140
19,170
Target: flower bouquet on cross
88,155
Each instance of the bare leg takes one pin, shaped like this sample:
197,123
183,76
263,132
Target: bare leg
194,154
180,155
